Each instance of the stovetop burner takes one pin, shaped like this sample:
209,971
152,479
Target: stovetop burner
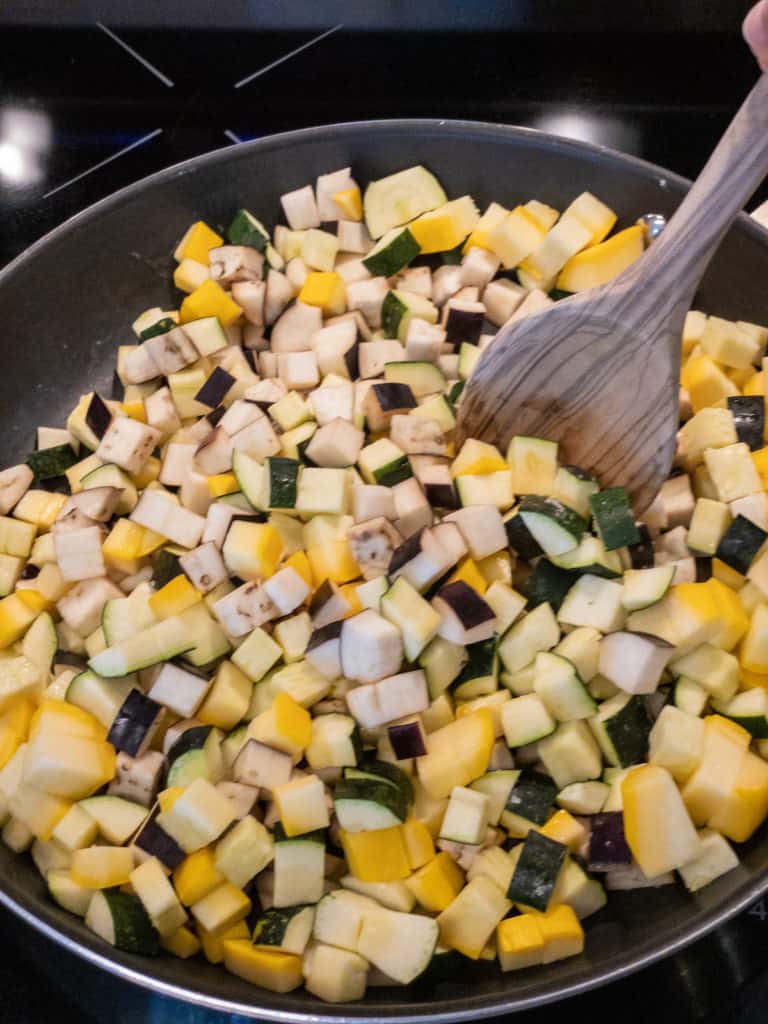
85,111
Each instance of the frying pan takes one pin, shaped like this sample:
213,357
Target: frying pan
68,302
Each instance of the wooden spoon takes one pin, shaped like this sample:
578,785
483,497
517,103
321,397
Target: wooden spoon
599,371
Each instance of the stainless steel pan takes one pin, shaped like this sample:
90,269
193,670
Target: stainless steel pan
68,302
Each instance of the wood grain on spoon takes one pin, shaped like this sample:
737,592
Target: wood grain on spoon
599,371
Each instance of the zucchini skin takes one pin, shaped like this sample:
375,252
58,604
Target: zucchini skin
134,932
535,875
532,796
614,519
628,730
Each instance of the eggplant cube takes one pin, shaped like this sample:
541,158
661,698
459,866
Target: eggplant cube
135,724
421,559
463,322
465,617
78,553
371,647
384,400
242,610
180,691
608,846
389,699
634,661
324,650
482,528
408,738
372,544
128,444
262,766
287,590
204,566
336,444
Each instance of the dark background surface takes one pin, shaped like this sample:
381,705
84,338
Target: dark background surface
80,117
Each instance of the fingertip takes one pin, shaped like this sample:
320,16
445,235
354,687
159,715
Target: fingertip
755,27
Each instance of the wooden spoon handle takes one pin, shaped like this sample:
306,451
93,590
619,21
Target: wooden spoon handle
734,170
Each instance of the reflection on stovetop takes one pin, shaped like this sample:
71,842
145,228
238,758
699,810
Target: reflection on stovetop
86,111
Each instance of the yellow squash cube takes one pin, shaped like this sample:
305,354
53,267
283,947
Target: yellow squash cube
350,202
601,263
190,274
515,237
174,598
565,829
213,945
285,725
168,797
252,551
657,824
221,909
419,845
228,698
15,619
101,867
209,299
196,877
301,805
196,243
333,560
478,458
746,806
299,562
182,943
457,754
472,918
278,972
479,238
446,227
325,289
588,210
520,942
437,884
37,810
706,383
562,933
222,483
378,856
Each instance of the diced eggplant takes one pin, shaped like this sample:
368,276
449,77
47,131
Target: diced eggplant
98,415
279,292
465,617
408,738
216,388
293,329
482,528
158,512
230,263
245,608
243,798
81,607
97,503
373,501
372,544
172,351
135,724
634,661
161,412
438,486
262,766
421,559
78,552
178,689
250,297
286,590
608,847
463,322
371,647
324,650
642,554
413,512
417,435
388,699
214,454
384,400
128,444
328,605
156,842
335,444
204,566
749,419
138,778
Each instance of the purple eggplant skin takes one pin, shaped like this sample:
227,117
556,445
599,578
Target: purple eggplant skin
470,609
407,740
155,840
134,723
607,843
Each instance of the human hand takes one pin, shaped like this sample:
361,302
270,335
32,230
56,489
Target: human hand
755,31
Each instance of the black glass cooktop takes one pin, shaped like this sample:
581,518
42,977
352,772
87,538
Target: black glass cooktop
89,108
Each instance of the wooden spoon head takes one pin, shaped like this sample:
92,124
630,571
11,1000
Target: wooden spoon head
575,373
